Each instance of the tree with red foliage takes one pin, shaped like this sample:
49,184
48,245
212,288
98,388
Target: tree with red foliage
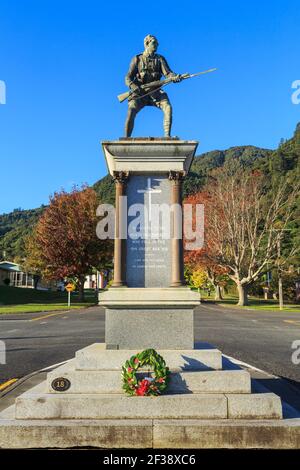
243,223
64,243
204,258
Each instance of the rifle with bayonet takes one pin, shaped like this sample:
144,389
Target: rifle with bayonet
152,87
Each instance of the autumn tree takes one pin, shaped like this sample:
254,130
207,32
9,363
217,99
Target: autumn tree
199,278
203,258
33,262
244,223
64,242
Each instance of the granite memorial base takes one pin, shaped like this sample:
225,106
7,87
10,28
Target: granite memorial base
149,317
205,407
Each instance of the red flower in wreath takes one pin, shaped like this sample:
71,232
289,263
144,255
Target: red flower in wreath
143,388
161,380
147,386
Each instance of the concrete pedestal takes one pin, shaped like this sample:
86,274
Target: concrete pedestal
149,317
148,305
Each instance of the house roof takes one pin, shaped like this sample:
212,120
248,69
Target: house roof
9,266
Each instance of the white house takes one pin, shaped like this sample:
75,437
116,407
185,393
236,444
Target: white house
96,281
13,272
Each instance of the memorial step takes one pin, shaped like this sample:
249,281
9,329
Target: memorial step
96,357
157,434
109,406
222,381
182,406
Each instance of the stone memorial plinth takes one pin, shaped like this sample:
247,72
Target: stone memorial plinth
148,304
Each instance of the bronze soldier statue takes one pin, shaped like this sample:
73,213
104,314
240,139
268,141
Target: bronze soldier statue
146,68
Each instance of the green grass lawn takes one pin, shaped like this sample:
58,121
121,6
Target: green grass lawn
255,303
18,299
259,304
33,308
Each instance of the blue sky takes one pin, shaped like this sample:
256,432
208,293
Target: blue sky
64,63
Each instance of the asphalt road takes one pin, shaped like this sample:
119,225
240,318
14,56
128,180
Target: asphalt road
35,341
262,339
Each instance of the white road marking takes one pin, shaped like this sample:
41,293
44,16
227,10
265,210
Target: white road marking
244,364
54,365
13,320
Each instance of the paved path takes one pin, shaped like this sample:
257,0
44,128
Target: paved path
263,339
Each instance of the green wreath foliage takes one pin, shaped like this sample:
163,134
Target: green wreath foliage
148,385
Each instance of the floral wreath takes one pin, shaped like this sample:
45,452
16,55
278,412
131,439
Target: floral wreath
148,385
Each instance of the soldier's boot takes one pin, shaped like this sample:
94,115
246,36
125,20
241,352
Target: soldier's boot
129,123
167,109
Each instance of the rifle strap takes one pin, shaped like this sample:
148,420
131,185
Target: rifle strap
138,97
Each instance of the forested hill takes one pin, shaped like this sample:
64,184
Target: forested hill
17,224
14,227
201,167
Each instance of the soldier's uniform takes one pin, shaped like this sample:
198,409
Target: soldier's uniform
145,69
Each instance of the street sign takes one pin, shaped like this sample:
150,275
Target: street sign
70,287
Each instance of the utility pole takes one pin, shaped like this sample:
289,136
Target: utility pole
280,290
279,270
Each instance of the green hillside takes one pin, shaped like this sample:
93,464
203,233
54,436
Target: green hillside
201,166
16,225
